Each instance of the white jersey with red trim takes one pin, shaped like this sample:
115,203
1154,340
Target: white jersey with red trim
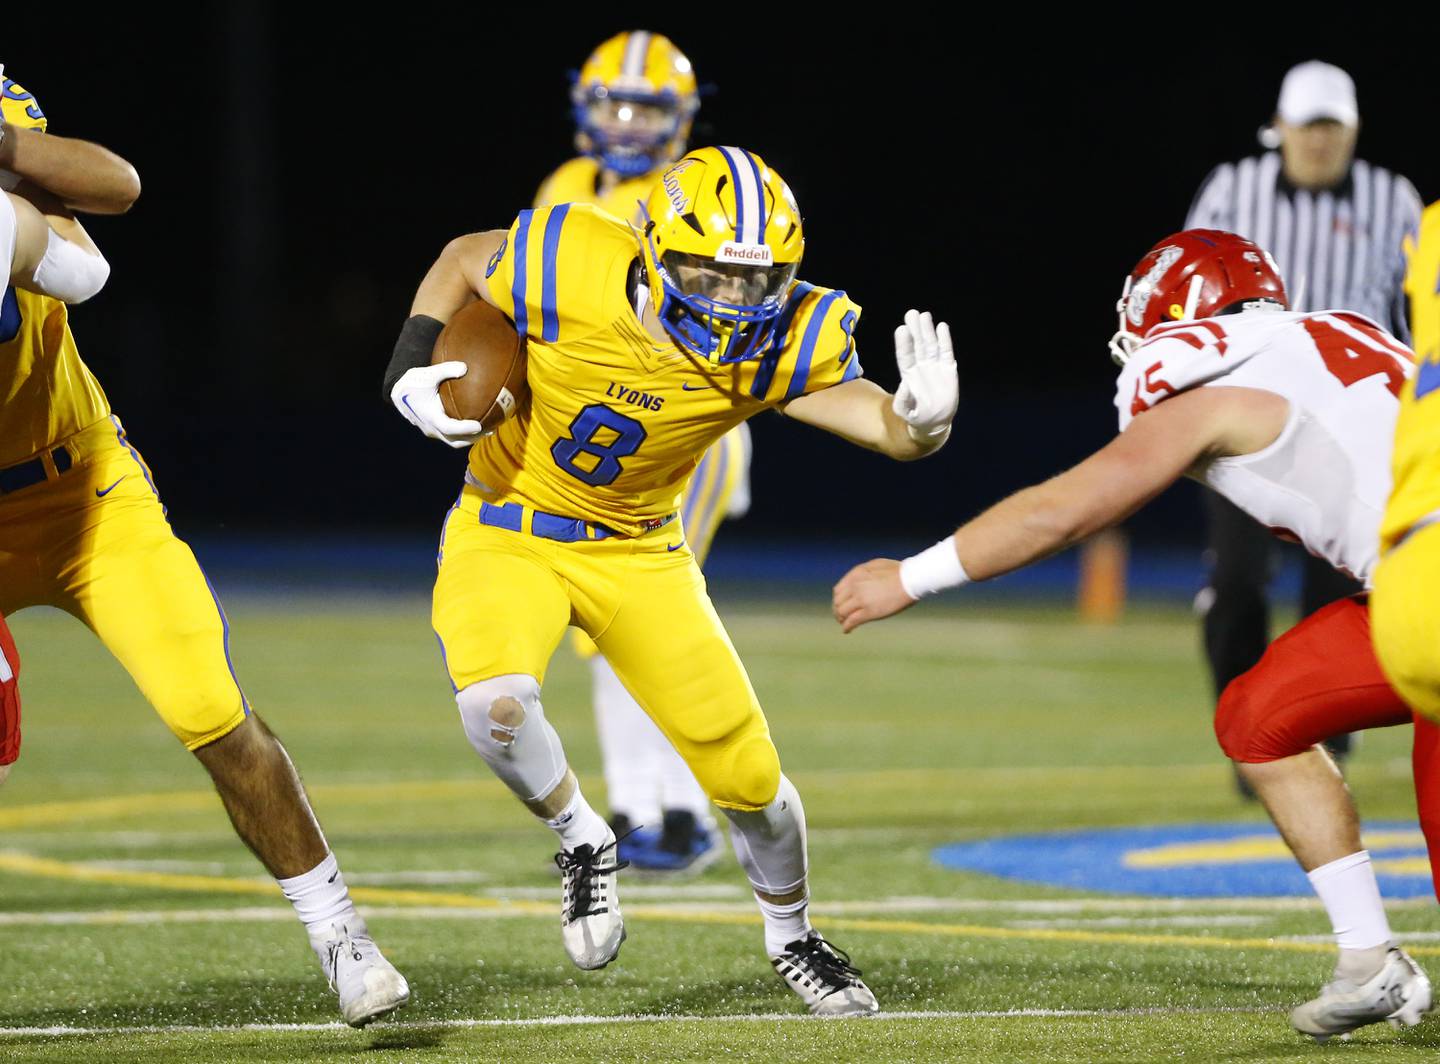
1324,481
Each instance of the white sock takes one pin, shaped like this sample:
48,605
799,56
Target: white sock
321,899
1348,890
784,924
579,825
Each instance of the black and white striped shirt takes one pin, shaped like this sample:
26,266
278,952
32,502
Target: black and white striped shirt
1337,249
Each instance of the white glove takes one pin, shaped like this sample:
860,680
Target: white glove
417,396
929,388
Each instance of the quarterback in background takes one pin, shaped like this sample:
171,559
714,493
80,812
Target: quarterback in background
1289,416
646,345
635,99
82,529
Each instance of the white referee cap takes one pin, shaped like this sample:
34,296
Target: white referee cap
1316,90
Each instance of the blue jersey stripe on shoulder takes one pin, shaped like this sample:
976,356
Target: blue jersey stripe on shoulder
807,346
522,269
765,375
549,317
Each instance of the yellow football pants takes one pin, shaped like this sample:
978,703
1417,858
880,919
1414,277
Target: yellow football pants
723,471
1405,619
503,600
95,542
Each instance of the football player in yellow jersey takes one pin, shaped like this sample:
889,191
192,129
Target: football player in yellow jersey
645,347
82,529
635,99
1405,604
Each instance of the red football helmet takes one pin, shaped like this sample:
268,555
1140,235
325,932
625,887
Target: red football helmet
1194,274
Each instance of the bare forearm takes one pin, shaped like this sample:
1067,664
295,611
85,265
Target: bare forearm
81,175
1030,525
862,413
456,279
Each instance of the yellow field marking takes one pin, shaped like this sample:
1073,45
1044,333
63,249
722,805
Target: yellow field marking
26,864
1266,848
51,814
89,810
1402,866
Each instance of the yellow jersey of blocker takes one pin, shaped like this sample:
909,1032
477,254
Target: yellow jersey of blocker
46,392
1415,463
578,181
617,420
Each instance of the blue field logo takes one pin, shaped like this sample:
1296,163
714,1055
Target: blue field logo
1184,860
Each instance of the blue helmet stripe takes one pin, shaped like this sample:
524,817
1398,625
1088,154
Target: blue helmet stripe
549,317
521,315
735,183
759,198
807,346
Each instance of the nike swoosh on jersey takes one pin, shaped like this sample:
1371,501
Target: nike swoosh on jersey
676,547
101,493
685,387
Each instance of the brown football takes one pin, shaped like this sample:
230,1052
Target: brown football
494,385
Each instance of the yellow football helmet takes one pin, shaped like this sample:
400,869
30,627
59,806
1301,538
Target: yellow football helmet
634,99
722,242
19,107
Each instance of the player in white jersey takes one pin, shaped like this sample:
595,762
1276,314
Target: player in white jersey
1289,416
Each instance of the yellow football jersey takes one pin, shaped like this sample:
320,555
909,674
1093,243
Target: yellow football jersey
46,392
578,181
617,420
1415,464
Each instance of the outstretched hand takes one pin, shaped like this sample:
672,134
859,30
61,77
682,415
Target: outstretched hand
929,389
870,592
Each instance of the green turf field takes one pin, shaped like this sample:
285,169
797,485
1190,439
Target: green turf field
134,919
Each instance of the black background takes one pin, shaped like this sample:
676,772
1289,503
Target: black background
302,168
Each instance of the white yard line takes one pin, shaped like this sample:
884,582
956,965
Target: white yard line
590,1020
1182,910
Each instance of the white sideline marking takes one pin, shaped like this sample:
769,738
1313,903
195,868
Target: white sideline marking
1403,937
280,914
586,1021
431,877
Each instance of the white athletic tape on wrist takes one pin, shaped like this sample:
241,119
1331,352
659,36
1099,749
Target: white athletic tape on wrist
933,569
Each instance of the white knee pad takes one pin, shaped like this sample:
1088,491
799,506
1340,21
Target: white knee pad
770,843
506,725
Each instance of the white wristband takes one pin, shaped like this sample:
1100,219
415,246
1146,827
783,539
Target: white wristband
933,569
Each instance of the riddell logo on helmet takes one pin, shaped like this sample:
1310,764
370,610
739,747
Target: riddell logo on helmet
745,254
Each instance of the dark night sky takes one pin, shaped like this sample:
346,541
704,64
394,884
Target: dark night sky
301,171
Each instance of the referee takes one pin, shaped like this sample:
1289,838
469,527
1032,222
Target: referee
1336,226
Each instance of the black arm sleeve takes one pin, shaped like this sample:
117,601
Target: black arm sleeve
417,341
